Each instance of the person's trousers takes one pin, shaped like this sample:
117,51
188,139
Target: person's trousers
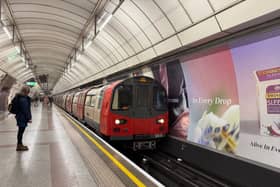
20,134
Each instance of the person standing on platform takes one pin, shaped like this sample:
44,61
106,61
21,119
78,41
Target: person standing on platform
36,99
23,115
46,101
50,100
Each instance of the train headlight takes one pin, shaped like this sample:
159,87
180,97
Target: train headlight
120,121
160,121
117,121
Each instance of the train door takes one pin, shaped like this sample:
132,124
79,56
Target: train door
87,108
63,101
81,105
94,114
70,103
90,111
78,105
97,114
75,104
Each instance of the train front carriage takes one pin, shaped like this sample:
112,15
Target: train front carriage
135,109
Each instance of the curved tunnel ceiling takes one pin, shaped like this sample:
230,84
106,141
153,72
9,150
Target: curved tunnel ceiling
116,34
50,30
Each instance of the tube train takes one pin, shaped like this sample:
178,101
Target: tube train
133,109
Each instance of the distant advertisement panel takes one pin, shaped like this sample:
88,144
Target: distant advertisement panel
5,86
2,75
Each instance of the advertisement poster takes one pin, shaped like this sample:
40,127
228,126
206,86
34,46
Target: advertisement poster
213,98
227,97
2,75
257,68
234,98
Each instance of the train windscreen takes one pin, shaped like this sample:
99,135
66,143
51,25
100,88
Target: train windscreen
142,93
140,99
159,98
122,99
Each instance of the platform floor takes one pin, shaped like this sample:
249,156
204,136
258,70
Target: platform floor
57,155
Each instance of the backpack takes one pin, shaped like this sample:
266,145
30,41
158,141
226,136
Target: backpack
14,106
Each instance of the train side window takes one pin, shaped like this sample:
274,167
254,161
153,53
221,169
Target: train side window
93,100
88,99
75,99
159,98
122,98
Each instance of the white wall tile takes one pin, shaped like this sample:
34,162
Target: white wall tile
220,4
167,45
250,10
198,9
201,31
146,55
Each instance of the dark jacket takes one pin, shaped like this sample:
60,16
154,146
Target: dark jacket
24,112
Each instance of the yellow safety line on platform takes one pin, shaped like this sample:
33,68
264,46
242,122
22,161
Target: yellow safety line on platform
109,155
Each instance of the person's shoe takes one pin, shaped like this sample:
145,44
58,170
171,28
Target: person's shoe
25,147
21,147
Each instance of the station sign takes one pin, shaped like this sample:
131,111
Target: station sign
31,84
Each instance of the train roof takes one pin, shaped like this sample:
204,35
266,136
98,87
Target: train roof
93,90
138,79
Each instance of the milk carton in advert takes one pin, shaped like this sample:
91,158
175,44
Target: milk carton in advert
268,96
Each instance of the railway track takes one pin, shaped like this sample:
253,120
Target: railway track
174,172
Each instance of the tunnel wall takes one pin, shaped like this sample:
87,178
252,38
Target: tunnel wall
6,84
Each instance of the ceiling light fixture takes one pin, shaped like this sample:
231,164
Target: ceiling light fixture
17,49
105,22
78,57
23,59
7,32
99,20
88,44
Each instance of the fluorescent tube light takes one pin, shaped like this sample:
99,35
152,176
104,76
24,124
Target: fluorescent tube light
105,22
17,49
88,44
23,59
7,32
99,20
78,57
